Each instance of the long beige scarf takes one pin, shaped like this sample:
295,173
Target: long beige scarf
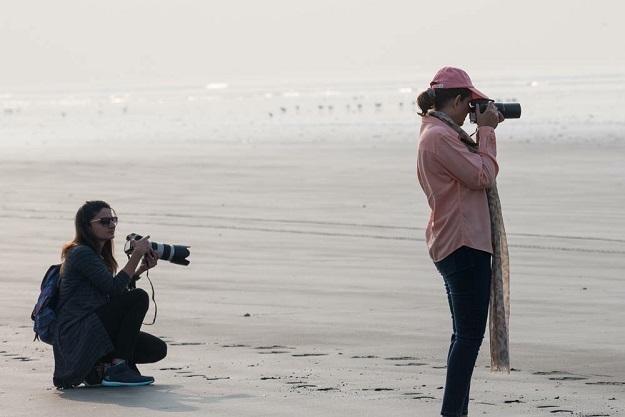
500,281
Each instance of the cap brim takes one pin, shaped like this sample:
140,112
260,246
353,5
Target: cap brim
477,94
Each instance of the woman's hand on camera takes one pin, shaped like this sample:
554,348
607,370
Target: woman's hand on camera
148,261
490,117
141,246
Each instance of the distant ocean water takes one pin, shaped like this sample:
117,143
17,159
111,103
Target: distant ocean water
557,108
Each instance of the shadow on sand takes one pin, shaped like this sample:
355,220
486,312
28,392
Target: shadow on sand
153,397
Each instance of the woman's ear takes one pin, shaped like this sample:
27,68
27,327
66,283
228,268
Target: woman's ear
458,100
461,101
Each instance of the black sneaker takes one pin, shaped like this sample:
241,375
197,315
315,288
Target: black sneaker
121,375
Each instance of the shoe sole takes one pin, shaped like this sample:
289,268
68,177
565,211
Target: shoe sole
125,384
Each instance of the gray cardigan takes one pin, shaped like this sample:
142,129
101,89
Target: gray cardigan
81,339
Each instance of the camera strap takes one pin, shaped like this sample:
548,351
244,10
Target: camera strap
133,282
147,275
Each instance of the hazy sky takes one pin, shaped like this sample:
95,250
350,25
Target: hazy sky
146,42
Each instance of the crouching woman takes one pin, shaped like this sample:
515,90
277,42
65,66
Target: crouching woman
98,329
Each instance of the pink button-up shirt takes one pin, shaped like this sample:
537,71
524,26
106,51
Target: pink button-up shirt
455,181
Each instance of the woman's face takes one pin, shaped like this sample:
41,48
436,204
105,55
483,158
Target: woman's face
103,225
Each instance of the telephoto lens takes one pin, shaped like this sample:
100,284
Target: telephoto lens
508,110
176,254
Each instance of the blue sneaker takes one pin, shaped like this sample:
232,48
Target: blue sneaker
121,375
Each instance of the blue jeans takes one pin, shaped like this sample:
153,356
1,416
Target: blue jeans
467,274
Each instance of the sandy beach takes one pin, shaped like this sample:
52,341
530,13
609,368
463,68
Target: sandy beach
310,292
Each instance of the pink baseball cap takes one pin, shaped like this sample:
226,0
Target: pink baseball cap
450,77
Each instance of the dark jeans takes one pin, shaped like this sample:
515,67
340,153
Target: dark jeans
467,274
122,318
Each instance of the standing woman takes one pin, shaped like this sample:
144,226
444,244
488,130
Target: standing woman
455,173
99,317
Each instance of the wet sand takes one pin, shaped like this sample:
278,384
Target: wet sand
310,291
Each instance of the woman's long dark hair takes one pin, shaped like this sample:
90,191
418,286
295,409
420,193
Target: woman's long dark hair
84,234
436,98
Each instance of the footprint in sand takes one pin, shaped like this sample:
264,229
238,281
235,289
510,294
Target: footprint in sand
275,349
606,383
562,376
303,355
15,356
406,358
419,396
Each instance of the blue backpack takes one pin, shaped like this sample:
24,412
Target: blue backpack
44,312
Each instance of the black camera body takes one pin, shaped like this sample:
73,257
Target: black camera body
509,110
176,254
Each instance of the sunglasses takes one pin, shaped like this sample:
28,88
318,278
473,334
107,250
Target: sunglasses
106,221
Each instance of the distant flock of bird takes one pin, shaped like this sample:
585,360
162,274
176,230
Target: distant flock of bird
358,107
